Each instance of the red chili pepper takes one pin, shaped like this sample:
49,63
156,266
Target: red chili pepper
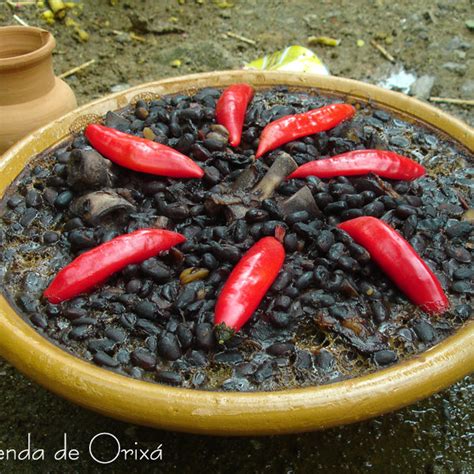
140,154
399,261
382,163
249,281
95,266
231,108
292,127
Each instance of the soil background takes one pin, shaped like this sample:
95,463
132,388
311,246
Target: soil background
143,40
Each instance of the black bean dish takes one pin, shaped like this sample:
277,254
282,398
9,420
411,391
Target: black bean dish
331,314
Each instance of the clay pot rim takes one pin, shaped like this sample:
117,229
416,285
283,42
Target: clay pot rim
232,413
32,57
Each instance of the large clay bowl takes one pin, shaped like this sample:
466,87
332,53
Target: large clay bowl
226,413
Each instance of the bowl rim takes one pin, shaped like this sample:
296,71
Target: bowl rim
232,413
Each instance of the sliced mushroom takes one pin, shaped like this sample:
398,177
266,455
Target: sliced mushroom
87,169
99,206
280,169
246,180
231,205
302,200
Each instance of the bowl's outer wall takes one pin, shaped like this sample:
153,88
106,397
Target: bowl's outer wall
226,413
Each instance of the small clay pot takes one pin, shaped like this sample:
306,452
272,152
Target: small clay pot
30,94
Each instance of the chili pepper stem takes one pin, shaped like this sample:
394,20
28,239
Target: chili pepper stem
223,333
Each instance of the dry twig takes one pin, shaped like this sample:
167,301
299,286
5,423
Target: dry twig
383,51
241,38
19,20
447,100
72,71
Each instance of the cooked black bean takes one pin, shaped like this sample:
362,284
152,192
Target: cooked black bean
336,207
464,273
212,175
456,228
28,216
424,331
375,209
156,270
14,201
186,296
338,189
305,230
324,241
82,238
385,357
463,311
240,231
282,302
279,319
347,263
463,287
168,346
291,291
144,358
336,251
281,348
226,253
205,338
230,357
185,335
290,242
39,320
339,311
215,142
128,320
379,311
169,377
324,360
304,280
101,358
264,372
299,216
354,200
80,333
334,282
85,321
318,298
209,261
351,214
459,253
256,215
321,276
388,202
272,208
146,309
323,199
269,227
73,313
405,211
33,198
197,358
368,196
63,199
104,344
50,237
304,360
116,334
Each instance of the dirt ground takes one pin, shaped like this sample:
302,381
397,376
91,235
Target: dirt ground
136,41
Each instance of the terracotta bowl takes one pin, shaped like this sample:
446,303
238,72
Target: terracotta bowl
226,413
